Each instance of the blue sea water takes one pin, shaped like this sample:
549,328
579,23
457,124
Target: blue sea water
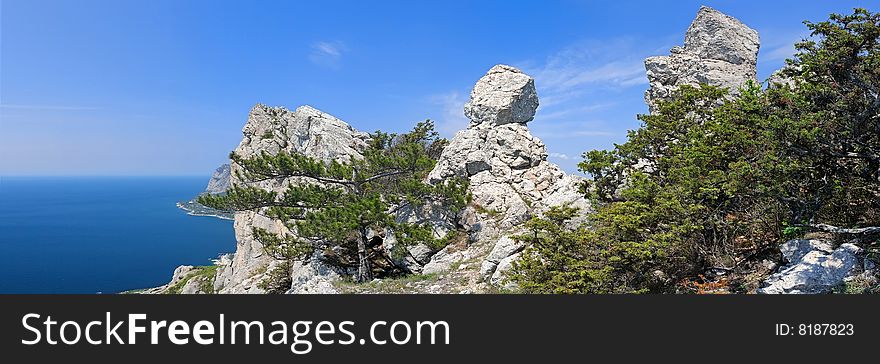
101,234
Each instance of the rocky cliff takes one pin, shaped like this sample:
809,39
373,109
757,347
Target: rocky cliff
510,180
220,180
273,129
718,50
218,183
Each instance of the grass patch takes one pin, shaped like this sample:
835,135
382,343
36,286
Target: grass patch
483,210
859,285
205,276
388,285
134,291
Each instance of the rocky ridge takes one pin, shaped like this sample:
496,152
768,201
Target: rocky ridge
510,180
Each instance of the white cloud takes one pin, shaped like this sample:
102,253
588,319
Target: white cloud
580,68
561,156
327,54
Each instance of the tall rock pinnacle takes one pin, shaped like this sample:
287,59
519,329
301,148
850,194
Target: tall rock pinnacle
718,50
510,177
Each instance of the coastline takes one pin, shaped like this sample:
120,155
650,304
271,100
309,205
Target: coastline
193,208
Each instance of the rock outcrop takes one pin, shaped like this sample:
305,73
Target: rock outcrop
510,177
220,180
273,129
507,167
718,50
186,279
814,266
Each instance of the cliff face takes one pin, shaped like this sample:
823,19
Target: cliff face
272,130
220,180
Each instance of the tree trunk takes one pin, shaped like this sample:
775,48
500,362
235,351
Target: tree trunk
365,270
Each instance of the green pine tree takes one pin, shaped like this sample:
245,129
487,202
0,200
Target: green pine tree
339,204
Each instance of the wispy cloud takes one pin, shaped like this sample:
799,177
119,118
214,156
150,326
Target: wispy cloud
327,53
561,156
562,113
582,67
571,129
562,134
778,48
452,117
47,107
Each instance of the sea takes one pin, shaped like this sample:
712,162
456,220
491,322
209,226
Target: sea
102,234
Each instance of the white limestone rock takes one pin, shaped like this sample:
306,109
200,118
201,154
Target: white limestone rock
220,180
313,277
814,266
503,249
510,177
500,276
444,260
718,50
274,129
504,95
506,165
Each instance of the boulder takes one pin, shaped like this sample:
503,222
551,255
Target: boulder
444,260
506,165
499,277
421,253
814,266
504,248
504,95
313,277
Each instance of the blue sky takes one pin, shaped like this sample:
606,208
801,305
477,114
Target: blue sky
163,87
